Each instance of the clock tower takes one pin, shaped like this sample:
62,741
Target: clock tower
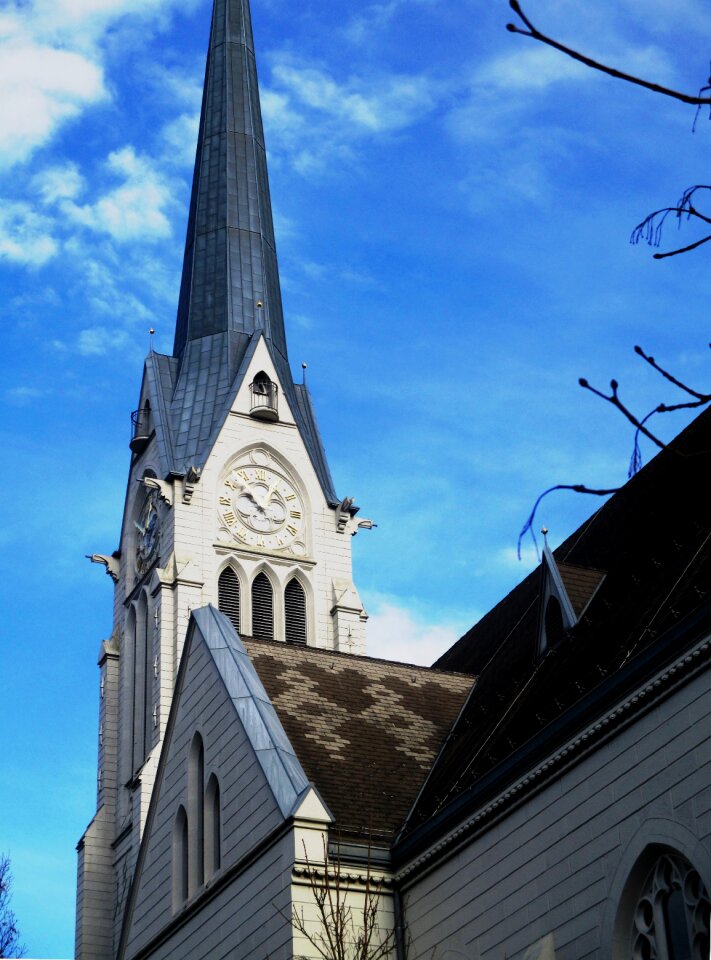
230,500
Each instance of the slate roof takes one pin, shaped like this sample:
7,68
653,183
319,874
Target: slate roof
652,541
366,731
230,294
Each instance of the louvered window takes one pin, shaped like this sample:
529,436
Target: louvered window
228,593
262,608
295,612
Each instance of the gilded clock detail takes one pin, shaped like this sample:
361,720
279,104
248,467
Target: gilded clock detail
261,507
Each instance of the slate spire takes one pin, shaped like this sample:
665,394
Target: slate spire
230,284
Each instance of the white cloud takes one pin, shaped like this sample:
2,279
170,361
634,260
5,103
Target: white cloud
397,634
98,341
25,236
376,17
314,118
135,210
59,183
43,87
180,137
52,64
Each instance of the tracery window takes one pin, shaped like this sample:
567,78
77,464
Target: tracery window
671,920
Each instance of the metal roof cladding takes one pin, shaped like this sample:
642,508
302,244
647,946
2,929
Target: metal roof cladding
230,294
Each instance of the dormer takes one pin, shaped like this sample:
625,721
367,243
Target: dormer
566,592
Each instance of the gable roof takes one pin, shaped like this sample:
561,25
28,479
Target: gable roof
653,540
366,731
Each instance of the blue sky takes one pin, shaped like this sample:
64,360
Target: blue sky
453,206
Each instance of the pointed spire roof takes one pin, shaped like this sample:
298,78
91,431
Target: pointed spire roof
230,295
230,283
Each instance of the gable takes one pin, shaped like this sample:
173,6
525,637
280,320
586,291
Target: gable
218,697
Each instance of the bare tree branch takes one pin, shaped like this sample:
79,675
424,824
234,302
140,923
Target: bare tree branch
701,397
536,34
617,403
10,945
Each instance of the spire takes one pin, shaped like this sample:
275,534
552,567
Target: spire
230,285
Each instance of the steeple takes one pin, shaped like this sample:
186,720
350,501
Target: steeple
230,284
230,295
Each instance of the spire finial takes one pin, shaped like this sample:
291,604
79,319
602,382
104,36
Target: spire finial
304,365
544,531
151,334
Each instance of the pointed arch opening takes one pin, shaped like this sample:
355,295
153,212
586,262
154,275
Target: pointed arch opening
295,612
664,910
262,608
196,812
229,596
213,828
180,859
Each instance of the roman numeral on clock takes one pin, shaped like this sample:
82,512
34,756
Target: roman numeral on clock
225,501
229,517
292,529
295,514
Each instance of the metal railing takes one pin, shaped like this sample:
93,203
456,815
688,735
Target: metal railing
140,428
265,399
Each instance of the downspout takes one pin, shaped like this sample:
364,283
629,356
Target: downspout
401,944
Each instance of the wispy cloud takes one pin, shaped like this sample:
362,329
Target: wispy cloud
396,633
26,237
315,118
133,210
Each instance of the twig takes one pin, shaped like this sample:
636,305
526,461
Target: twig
576,488
617,403
536,34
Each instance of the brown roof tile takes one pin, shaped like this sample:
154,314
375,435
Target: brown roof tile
366,731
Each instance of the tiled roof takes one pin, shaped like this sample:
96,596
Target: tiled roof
366,731
653,541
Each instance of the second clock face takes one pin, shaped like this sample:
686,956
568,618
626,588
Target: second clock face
261,508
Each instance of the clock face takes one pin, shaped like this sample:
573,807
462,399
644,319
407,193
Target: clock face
261,508
148,527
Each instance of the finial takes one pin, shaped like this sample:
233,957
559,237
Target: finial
304,365
151,333
544,531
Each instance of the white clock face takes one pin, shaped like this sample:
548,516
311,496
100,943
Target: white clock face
261,508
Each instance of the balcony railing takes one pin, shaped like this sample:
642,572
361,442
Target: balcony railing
140,429
265,400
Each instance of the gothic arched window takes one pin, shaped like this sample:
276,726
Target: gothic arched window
671,917
180,858
262,608
196,811
213,830
295,612
229,596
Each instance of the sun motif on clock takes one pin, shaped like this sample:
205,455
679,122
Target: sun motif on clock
261,507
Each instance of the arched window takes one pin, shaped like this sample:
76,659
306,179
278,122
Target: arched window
554,626
213,835
196,812
295,612
228,596
670,917
142,684
180,859
262,608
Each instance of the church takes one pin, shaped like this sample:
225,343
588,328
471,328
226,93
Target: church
267,790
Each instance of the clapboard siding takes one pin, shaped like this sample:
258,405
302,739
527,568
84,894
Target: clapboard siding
547,866
249,811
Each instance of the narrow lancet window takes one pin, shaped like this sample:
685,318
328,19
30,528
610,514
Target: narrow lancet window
262,608
196,812
229,596
295,612
213,835
180,859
